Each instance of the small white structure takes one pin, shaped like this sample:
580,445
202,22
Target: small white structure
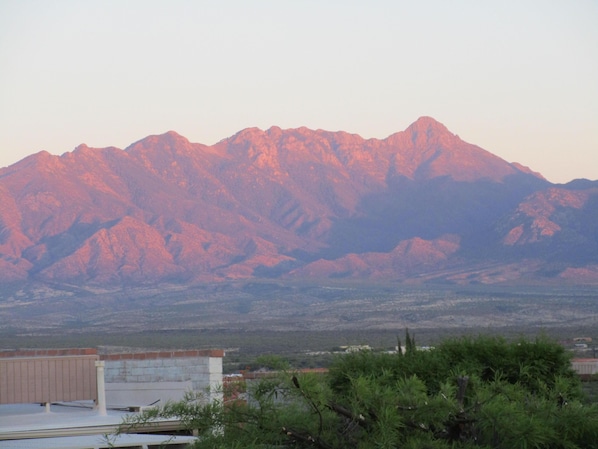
143,379
585,367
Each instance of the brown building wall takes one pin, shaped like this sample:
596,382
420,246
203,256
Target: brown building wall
50,376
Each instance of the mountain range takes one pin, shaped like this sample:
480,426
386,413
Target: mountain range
420,206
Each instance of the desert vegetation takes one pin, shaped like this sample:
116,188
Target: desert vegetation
483,392
299,321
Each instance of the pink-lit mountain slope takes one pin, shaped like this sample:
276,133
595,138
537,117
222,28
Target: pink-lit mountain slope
299,203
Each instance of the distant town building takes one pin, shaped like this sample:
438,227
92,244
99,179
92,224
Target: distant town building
356,348
586,368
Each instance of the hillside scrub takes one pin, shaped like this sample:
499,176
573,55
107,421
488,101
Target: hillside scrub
480,392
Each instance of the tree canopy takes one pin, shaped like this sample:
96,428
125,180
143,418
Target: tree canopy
482,392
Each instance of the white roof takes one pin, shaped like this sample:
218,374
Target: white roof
22,424
98,441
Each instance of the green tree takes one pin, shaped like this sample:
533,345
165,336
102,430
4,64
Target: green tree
466,393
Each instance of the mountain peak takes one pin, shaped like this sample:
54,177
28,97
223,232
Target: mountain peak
82,147
248,133
168,141
421,133
427,126
173,137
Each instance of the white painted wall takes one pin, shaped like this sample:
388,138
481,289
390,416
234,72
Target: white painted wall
140,382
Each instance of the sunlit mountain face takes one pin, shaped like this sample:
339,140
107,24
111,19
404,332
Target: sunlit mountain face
421,205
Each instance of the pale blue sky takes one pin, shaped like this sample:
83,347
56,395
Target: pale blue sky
518,78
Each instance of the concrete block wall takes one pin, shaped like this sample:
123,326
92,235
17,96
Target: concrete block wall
202,369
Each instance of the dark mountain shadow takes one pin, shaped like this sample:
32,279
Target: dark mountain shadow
429,209
64,244
580,184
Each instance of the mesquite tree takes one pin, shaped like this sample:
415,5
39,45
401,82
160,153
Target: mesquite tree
465,393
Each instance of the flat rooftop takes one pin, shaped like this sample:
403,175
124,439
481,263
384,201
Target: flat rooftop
76,426
102,442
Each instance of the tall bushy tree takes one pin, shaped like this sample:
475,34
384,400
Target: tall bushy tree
466,393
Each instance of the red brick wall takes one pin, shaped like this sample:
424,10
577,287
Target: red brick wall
48,352
164,354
